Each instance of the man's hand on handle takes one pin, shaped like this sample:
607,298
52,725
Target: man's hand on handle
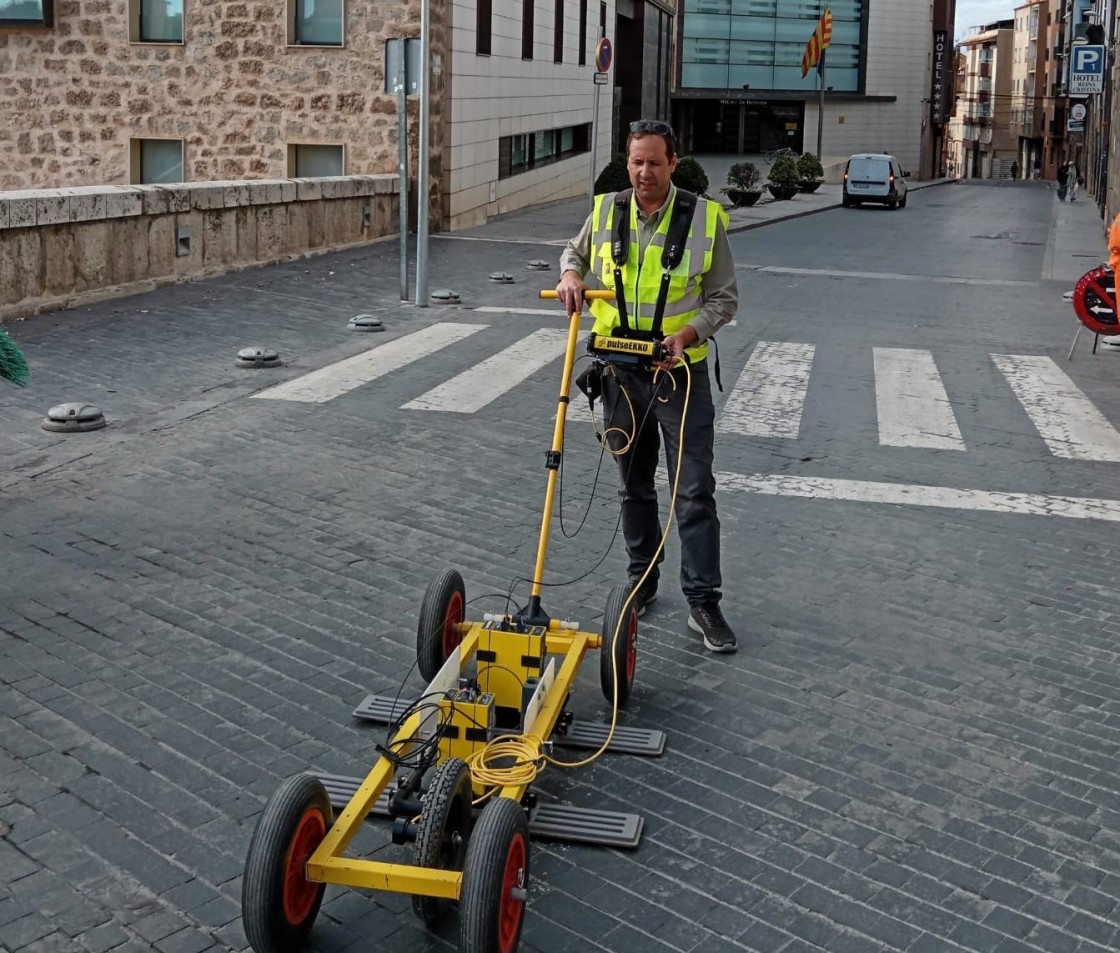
570,289
674,345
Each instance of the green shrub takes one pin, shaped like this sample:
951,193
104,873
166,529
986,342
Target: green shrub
809,168
743,176
614,177
690,176
784,174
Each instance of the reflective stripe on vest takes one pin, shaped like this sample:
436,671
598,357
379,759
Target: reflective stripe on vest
642,282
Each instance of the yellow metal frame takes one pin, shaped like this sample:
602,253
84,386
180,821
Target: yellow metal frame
327,864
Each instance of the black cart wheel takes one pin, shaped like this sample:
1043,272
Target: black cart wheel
441,840
495,880
278,903
443,608
618,654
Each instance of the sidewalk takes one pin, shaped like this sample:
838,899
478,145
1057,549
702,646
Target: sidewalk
1077,240
554,224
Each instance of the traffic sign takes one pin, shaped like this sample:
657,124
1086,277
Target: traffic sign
601,79
1086,70
604,53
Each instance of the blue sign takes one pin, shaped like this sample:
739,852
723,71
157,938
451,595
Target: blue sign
1086,69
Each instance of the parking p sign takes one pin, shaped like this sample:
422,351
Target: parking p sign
1086,70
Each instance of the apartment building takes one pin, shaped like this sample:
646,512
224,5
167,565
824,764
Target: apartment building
1029,88
740,87
112,92
981,141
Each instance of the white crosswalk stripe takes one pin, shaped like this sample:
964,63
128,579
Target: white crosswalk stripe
1065,418
336,379
769,395
477,386
912,404
914,410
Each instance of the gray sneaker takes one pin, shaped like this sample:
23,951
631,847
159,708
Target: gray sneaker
710,623
645,597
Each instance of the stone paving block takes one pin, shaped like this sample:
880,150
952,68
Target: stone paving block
190,940
107,936
26,930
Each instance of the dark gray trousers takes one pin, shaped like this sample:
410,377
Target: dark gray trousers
658,411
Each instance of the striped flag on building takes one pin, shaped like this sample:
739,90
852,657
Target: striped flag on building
818,43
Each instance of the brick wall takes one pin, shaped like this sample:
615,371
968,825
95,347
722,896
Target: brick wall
73,95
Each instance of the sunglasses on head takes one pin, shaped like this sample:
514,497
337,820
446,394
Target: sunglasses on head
655,126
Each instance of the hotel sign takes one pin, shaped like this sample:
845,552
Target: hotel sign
939,87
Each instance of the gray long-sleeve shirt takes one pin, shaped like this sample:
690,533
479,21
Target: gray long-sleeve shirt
720,291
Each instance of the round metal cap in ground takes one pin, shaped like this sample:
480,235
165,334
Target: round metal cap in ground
501,277
257,357
538,264
445,296
366,322
73,418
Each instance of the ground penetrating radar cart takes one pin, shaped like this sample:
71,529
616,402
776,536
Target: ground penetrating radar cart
456,771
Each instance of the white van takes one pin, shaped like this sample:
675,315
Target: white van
874,177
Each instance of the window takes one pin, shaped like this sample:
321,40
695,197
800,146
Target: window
155,21
528,8
582,33
558,33
315,22
483,25
306,161
530,150
155,161
26,12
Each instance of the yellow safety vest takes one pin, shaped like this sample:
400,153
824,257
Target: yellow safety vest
642,282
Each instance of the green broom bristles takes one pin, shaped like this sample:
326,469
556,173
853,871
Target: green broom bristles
13,365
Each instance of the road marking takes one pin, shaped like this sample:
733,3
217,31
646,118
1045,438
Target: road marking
768,396
914,410
1064,417
885,276
863,491
335,379
479,385
495,309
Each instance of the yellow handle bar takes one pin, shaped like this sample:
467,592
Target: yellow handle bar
589,294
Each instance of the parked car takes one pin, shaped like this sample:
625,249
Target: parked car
874,177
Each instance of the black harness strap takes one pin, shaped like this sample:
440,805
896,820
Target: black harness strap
684,207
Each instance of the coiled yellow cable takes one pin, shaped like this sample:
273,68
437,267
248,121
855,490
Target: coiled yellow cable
528,759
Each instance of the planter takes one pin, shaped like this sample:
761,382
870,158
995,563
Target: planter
742,198
809,185
782,192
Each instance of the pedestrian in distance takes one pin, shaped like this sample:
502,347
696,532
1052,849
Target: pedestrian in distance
627,243
1014,170
1075,183
1063,181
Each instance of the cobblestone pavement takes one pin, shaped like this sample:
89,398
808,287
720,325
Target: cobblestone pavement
914,750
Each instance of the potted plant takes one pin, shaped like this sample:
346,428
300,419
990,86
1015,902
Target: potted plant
810,172
742,184
783,178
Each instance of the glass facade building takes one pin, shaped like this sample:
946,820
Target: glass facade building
741,88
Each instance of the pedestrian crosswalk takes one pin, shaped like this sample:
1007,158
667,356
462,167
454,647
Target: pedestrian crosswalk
913,407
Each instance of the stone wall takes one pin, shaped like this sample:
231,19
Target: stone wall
62,247
73,95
